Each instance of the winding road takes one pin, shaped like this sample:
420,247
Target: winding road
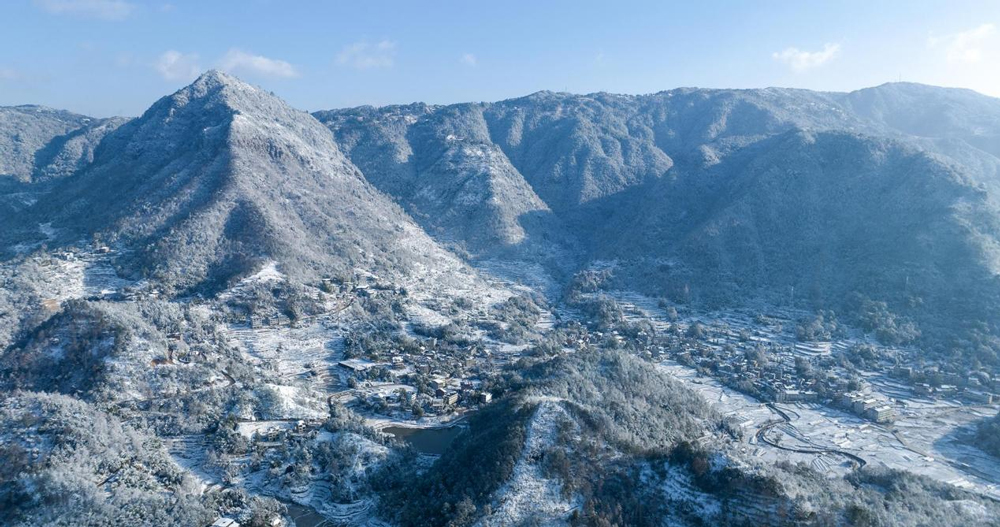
766,427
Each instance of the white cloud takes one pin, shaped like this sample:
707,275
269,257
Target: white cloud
103,9
8,74
12,76
469,60
177,66
363,56
240,62
965,46
800,60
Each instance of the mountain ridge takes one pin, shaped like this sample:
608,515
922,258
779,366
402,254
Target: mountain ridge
659,185
230,176
247,301
627,178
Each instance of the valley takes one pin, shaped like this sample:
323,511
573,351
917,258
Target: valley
690,307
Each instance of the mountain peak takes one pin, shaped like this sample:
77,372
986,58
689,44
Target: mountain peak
213,80
221,176
217,95
215,76
221,86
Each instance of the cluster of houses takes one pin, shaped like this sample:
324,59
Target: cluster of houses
727,356
778,379
771,380
466,391
259,321
869,405
422,381
977,387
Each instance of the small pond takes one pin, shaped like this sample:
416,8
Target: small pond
426,440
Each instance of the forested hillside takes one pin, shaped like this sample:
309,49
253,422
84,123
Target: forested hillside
693,307
721,197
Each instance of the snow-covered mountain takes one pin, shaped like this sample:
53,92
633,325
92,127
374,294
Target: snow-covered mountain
224,302
720,196
825,200
221,176
38,143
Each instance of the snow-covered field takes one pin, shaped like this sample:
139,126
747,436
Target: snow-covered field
924,439
73,275
920,441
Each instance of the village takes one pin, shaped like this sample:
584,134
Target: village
429,378
766,358
815,397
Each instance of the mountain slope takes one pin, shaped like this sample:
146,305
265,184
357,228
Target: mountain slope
582,156
38,143
603,438
726,196
929,111
24,130
220,176
457,184
59,450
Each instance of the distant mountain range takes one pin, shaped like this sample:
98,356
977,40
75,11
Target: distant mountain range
832,200
38,143
224,302
719,197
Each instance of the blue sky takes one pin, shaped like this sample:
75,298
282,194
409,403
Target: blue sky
116,57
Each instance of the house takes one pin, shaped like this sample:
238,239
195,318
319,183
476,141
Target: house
225,522
808,396
450,398
485,397
880,414
948,389
977,396
356,365
860,405
903,372
788,395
